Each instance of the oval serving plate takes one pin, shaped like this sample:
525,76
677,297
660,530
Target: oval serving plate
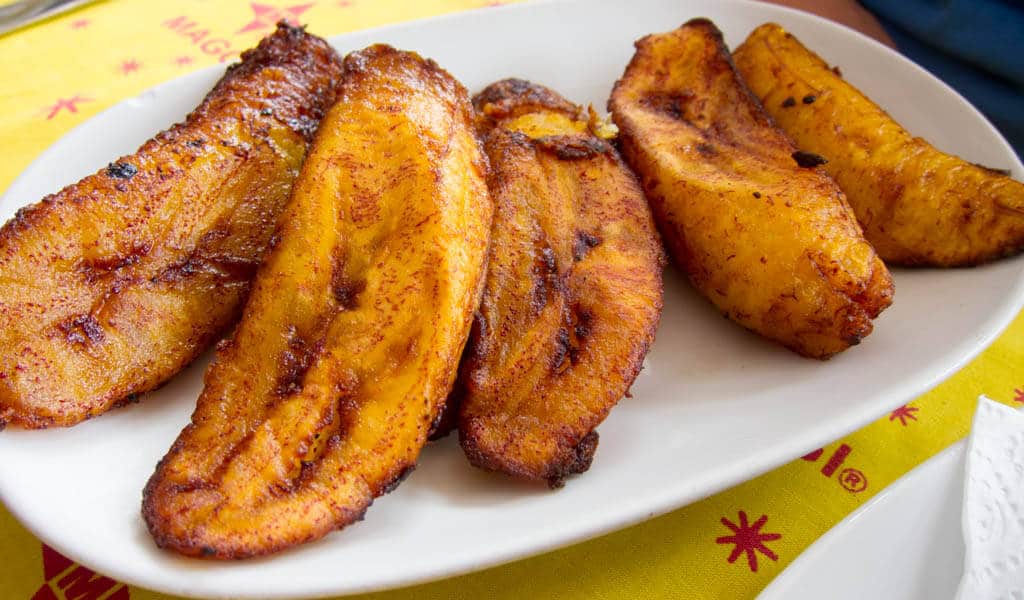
714,406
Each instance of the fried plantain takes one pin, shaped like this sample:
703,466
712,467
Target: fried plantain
918,206
772,244
350,340
115,283
573,290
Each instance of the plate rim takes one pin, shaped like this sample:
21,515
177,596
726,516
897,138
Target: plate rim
634,511
948,459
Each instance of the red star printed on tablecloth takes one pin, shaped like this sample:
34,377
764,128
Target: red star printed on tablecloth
1018,395
266,16
80,23
345,3
183,61
68,104
903,413
748,539
130,66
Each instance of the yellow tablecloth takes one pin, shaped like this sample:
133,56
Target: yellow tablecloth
59,73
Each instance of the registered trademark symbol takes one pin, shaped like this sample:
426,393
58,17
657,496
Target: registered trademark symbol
853,480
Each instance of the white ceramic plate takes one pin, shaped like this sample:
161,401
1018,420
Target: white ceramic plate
905,544
714,406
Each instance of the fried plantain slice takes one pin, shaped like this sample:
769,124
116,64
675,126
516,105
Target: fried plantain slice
771,243
350,340
573,292
115,283
918,206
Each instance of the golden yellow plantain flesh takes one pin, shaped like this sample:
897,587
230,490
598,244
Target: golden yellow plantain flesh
772,244
573,291
111,286
918,206
350,340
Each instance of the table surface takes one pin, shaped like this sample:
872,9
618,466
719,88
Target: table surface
62,71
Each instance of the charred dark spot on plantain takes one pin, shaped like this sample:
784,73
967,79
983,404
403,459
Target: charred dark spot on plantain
572,147
295,361
518,87
81,329
789,102
94,268
25,215
583,243
808,160
809,99
177,271
230,268
544,274
397,480
511,97
581,325
706,150
304,126
346,292
517,137
129,399
121,170
570,338
192,485
673,105
560,357
307,468
579,460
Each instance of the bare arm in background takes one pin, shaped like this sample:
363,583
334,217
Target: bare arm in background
846,12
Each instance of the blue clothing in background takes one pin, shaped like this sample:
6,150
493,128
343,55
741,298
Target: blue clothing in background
976,46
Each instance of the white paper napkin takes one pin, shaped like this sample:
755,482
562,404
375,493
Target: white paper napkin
993,513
